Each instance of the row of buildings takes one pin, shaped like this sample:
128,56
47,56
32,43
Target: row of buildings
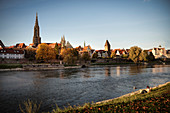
18,51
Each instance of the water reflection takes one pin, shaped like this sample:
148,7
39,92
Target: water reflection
158,69
134,70
62,74
107,71
118,70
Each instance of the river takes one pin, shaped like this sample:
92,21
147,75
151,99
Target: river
75,86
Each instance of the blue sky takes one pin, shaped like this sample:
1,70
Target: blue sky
125,23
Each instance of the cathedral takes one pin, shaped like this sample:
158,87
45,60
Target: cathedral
36,37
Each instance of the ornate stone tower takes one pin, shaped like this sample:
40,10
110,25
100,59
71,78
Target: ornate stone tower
63,41
36,37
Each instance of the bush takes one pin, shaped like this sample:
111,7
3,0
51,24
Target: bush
9,66
30,107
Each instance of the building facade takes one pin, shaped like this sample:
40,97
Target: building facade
7,53
159,52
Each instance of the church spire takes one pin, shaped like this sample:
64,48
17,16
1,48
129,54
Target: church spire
84,44
36,21
36,36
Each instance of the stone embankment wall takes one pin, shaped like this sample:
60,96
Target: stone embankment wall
42,66
115,60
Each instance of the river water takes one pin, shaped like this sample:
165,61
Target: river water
75,86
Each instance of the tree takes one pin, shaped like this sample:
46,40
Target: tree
124,56
70,55
85,56
95,55
45,52
143,56
113,54
136,54
150,57
57,50
30,53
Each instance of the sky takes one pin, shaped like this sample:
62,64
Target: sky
124,23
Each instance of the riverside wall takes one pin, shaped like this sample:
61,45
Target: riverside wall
40,67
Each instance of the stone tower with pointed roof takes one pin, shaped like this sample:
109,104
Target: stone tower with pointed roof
36,37
107,47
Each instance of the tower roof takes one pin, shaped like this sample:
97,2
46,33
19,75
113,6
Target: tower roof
1,44
36,21
68,45
107,43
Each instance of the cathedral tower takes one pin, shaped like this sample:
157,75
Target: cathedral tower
36,37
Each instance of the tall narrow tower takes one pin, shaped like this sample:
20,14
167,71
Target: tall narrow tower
36,37
107,47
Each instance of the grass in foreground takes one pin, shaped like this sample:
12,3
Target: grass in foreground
158,100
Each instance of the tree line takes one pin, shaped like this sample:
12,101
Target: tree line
45,53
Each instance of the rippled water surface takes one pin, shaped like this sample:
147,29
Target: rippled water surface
75,86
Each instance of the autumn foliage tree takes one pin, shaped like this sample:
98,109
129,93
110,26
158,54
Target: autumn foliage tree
136,54
57,50
85,56
70,55
113,54
45,53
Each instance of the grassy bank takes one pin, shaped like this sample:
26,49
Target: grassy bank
10,66
158,100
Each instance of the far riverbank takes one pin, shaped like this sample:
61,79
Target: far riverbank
34,67
41,67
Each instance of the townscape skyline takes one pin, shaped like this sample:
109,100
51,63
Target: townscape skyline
143,23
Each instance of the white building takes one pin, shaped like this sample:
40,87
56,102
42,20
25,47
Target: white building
102,53
159,52
7,53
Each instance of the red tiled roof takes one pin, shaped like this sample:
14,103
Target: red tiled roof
121,51
20,45
31,44
79,48
11,46
52,45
